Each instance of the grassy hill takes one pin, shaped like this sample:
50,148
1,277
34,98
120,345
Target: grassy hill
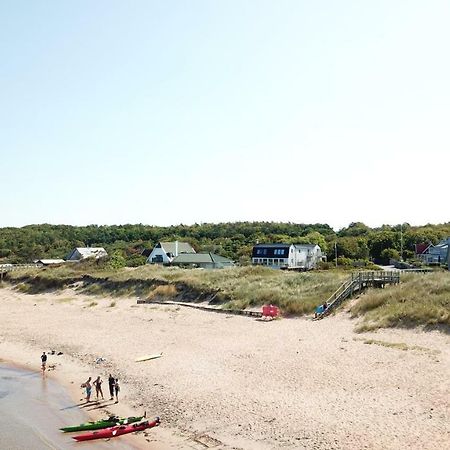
420,299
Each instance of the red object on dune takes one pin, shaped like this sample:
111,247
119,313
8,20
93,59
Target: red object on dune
117,431
270,311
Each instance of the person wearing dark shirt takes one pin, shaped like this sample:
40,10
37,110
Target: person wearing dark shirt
43,361
111,382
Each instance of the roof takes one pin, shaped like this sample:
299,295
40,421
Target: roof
86,252
201,258
420,248
183,247
50,261
90,251
273,245
305,245
442,244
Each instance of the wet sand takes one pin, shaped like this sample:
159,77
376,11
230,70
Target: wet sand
33,408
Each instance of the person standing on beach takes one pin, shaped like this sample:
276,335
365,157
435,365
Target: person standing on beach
43,361
88,388
117,389
111,382
98,387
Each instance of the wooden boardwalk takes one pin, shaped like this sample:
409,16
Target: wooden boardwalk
357,283
238,312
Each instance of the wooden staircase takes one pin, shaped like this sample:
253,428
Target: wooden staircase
357,283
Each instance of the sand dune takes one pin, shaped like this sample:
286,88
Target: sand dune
235,382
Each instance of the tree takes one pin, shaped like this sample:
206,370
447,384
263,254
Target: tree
380,241
389,253
116,260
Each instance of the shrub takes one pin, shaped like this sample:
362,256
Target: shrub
116,260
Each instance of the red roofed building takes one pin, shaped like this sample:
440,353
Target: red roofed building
420,248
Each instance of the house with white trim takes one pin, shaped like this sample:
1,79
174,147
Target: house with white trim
287,256
80,253
307,256
433,254
166,252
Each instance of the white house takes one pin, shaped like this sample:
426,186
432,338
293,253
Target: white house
308,255
287,256
77,254
166,252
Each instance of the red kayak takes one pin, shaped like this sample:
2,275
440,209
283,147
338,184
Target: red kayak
117,431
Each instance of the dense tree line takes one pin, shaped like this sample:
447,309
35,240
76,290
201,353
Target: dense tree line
233,240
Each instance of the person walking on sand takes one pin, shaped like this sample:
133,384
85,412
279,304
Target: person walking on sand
87,385
111,382
117,389
98,387
43,361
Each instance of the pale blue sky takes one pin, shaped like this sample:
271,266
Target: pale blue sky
204,111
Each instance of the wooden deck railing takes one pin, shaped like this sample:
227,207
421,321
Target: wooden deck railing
356,283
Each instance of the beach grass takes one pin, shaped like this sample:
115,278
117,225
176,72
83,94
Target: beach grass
296,293
420,299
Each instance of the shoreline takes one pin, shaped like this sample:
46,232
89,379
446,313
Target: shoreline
233,382
33,408
62,376
132,442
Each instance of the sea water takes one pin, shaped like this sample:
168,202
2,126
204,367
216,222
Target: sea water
34,407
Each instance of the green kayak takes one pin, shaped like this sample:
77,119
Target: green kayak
111,421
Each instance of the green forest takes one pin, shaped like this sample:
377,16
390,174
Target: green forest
357,242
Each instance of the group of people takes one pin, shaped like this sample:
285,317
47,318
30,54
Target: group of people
114,388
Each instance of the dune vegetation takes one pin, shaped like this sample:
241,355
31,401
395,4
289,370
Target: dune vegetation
239,287
420,298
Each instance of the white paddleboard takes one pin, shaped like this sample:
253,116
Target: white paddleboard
148,357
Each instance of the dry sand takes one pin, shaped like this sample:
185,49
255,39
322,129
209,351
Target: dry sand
236,382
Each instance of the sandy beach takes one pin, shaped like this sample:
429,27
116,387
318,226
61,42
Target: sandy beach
235,382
